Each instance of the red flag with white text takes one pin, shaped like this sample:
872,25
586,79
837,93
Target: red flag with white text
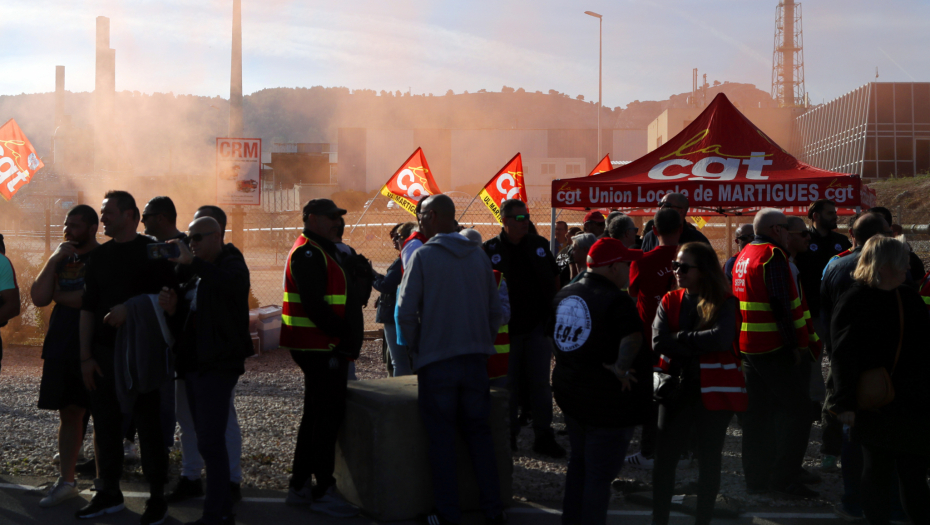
19,161
506,184
411,182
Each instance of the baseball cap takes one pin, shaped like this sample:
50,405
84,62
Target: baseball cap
607,251
594,216
323,207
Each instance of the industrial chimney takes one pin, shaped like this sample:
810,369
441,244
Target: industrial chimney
59,95
235,78
788,56
105,96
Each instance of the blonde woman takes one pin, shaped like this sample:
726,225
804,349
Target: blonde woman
879,323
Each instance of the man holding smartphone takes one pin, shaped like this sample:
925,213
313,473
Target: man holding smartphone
119,271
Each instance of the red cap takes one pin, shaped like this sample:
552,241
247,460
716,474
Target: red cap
607,251
594,216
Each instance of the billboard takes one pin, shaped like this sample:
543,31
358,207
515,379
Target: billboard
238,172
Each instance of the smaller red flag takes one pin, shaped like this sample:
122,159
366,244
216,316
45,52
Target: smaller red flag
411,182
507,184
602,166
19,161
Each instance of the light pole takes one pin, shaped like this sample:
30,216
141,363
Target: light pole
600,58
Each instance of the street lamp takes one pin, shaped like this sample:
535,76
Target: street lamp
600,58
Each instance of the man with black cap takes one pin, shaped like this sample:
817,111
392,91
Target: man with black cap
322,325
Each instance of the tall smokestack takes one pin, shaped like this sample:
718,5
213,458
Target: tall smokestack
104,95
235,78
788,49
59,95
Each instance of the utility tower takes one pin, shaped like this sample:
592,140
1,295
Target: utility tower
788,57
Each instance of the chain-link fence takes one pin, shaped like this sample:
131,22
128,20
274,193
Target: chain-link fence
268,236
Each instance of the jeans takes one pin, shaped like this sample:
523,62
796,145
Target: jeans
108,428
596,457
325,384
191,460
675,431
776,426
530,362
878,469
209,395
454,398
400,359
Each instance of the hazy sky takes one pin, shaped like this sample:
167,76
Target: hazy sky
650,46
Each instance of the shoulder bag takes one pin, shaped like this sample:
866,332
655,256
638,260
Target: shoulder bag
875,389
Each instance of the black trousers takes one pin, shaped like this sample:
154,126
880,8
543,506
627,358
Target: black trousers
878,466
776,426
647,443
676,424
108,426
326,380
209,395
832,440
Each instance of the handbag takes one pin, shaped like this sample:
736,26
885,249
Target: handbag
874,389
665,387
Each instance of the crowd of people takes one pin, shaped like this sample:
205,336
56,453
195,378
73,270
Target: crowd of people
151,331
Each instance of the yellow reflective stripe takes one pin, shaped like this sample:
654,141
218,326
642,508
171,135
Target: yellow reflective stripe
798,323
334,299
291,297
504,329
759,327
303,322
814,337
755,307
807,314
502,349
925,298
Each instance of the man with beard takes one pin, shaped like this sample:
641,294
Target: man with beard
120,270
62,389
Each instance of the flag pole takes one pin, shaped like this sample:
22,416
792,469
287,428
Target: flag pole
364,212
469,206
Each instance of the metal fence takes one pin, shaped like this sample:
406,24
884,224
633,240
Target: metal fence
268,236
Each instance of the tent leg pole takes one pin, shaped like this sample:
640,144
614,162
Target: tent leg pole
729,236
552,233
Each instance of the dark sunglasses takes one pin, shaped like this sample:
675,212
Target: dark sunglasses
197,237
744,238
520,218
682,267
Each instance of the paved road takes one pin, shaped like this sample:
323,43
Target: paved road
20,505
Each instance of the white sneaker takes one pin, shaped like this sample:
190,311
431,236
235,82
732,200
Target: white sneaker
130,451
56,459
638,460
333,505
59,492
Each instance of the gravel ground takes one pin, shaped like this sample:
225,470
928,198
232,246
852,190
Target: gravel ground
269,403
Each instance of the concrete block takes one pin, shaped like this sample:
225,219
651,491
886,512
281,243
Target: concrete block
381,460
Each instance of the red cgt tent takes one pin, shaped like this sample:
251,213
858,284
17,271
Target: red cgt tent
724,164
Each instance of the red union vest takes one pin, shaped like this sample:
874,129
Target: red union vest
297,330
498,363
925,290
758,330
723,386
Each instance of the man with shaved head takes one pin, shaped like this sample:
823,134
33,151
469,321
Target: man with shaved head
773,342
742,236
212,318
448,309
689,233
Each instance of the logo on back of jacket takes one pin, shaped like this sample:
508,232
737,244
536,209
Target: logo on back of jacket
739,273
572,323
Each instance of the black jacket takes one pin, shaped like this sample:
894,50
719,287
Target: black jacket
216,336
530,271
592,316
812,262
387,286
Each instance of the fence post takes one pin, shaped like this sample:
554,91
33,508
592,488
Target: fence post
48,233
238,233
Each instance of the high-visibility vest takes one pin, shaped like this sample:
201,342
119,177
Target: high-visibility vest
298,332
814,345
498,363
925,290
723,386
758,329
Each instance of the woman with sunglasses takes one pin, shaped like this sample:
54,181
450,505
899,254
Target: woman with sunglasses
693,332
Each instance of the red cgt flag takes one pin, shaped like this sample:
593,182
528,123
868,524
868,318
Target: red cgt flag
602,166
18,160
507,184
411,182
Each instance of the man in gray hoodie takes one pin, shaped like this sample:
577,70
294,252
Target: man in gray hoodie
448,312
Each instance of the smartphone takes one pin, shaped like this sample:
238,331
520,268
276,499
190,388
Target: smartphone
163,251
